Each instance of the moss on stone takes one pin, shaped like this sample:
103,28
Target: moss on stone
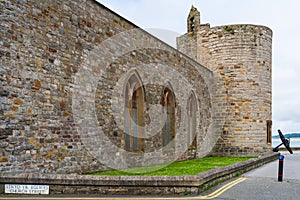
229,29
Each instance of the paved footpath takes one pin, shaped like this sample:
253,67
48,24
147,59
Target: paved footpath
260,184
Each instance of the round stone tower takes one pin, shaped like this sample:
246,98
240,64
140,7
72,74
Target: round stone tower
240,57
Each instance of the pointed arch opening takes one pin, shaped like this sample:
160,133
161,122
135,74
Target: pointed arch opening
134,114
191,121
169,129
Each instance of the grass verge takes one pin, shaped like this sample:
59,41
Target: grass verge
180,168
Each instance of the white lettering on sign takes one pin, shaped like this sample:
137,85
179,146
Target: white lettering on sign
26,189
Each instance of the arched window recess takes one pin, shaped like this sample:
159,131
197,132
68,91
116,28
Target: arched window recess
134,114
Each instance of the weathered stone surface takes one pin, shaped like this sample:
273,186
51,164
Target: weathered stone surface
46,116
241,58
3,158
46,44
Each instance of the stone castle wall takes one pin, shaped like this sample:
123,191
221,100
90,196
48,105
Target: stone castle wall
240,57
61,87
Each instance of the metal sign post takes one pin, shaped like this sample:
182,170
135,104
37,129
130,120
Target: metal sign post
286,143
280,168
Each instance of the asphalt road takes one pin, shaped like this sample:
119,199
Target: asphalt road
263,188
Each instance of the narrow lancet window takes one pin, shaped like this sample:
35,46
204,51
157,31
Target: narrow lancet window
168,104
134,117
191,120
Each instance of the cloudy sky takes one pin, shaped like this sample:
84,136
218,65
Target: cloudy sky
281,16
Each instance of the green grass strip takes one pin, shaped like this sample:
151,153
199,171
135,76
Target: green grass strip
180,168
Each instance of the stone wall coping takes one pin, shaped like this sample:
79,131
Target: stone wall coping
152,181
244,25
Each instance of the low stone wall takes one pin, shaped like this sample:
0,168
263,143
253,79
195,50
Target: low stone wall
141,185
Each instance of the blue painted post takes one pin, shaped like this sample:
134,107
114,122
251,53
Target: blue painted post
280,168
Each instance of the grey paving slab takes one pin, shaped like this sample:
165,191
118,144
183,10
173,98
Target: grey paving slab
291,168
262,182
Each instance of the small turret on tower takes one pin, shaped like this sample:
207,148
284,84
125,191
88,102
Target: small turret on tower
193,20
